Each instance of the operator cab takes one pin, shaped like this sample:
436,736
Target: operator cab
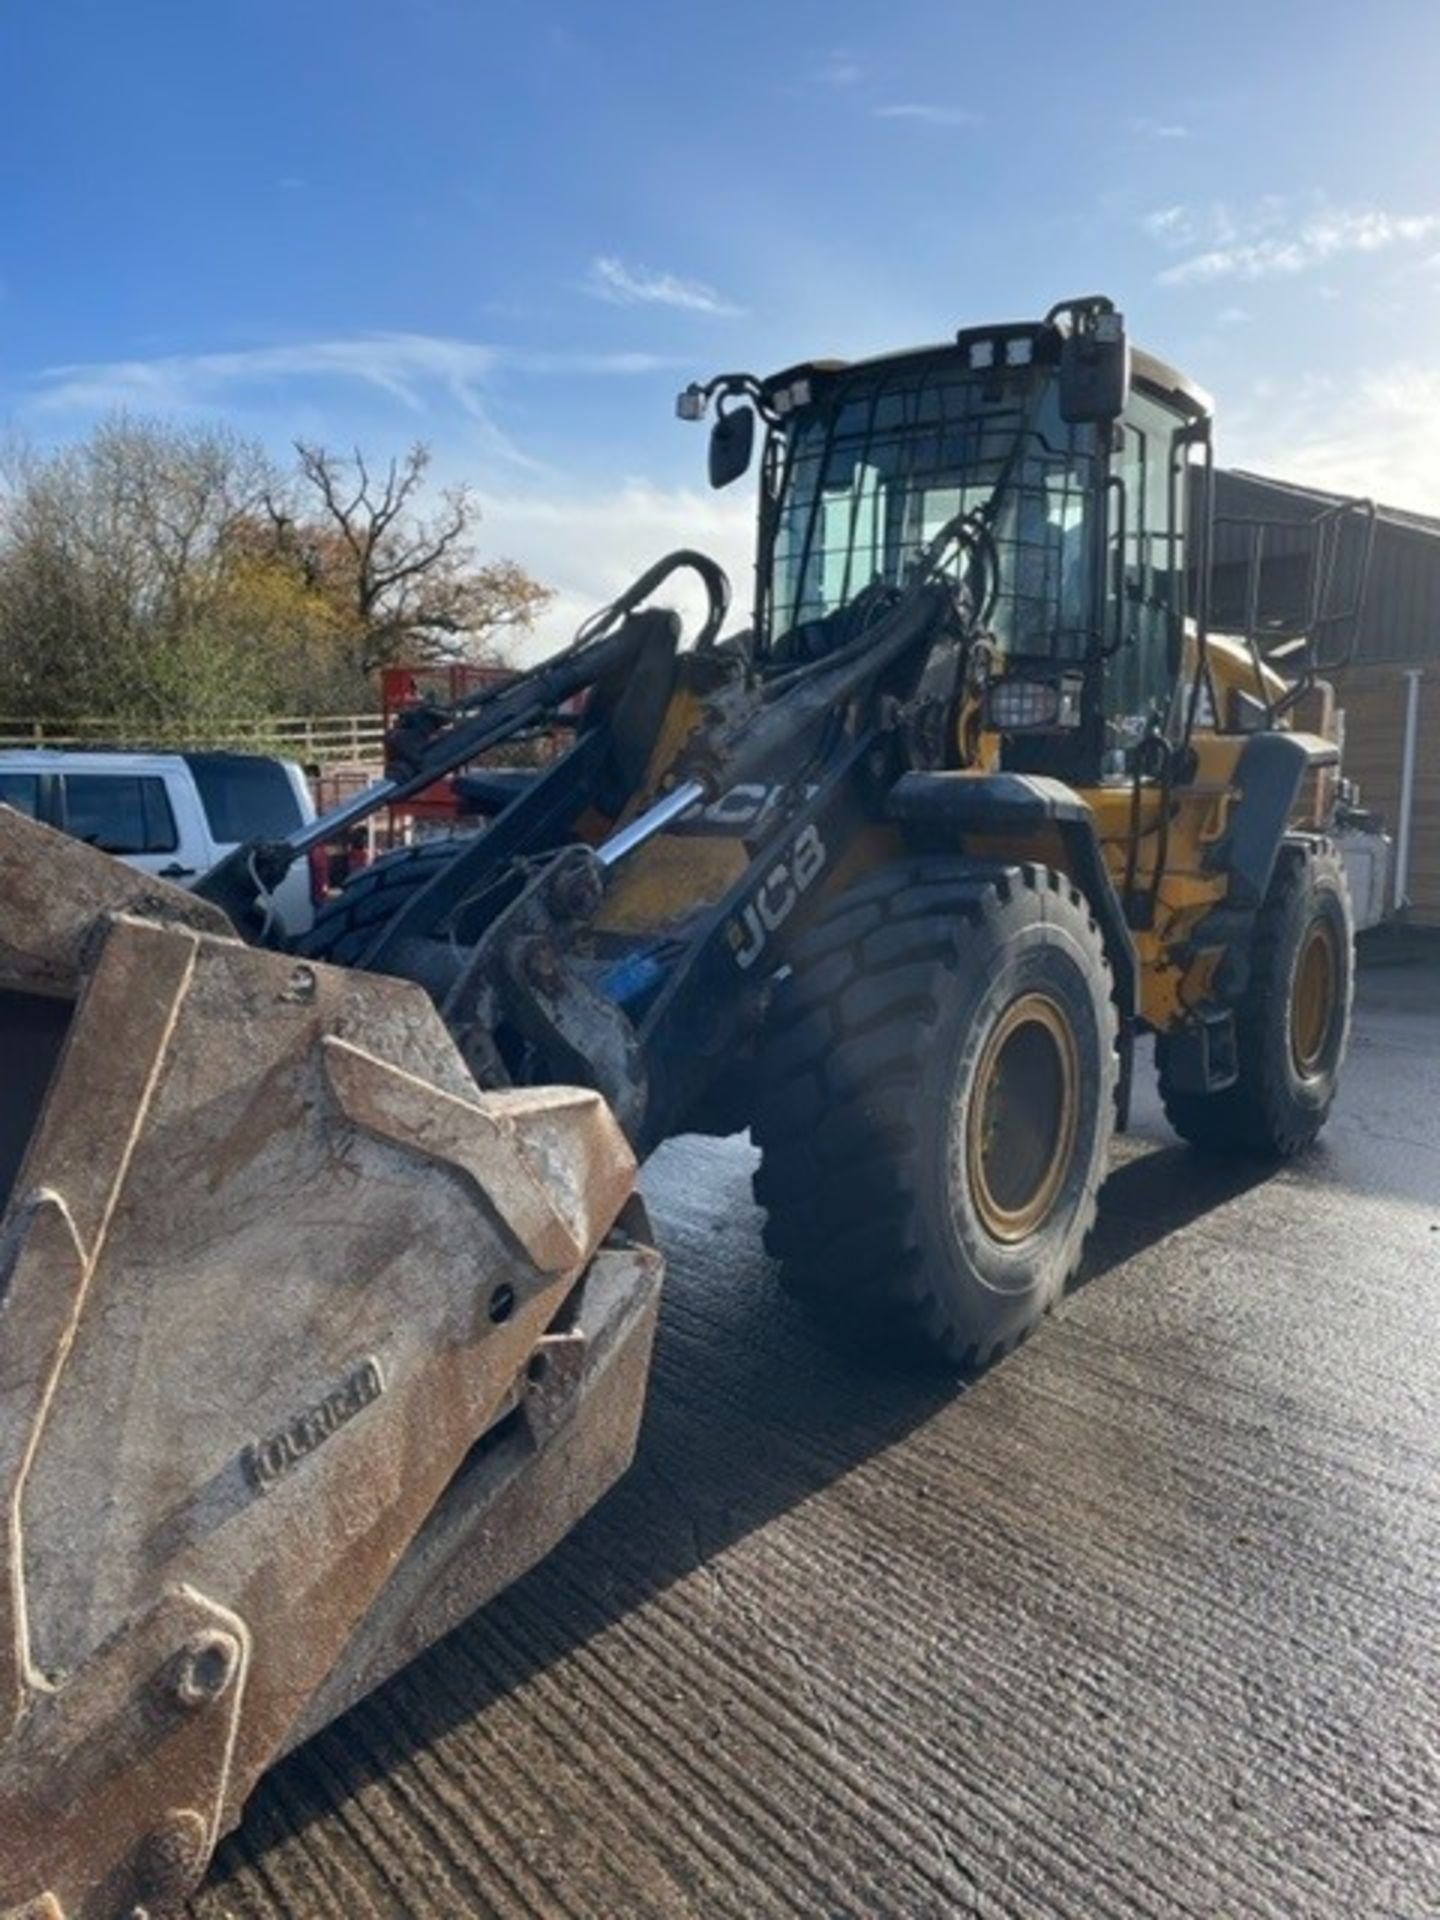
1067,453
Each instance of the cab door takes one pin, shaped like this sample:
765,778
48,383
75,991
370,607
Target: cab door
1146,600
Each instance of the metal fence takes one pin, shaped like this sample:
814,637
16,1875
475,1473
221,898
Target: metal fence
351,739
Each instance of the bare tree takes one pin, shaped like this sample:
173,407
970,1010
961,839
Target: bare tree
407,579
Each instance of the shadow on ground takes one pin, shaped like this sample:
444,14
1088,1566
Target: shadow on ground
750,1413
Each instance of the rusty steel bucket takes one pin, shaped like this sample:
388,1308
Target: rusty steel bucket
307,1347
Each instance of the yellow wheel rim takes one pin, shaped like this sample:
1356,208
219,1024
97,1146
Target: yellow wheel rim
1023,1117
1312,999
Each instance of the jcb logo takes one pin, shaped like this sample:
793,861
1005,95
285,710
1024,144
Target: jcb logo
744,809
776,900
741,806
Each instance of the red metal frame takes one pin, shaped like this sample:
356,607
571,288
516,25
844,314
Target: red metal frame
403,687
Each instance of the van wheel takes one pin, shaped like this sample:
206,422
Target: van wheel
937,1099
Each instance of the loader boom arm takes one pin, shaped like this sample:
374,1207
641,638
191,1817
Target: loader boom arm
446,738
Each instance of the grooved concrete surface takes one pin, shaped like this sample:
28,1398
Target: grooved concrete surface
1143,1623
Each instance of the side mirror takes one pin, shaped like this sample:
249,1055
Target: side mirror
732,440
1094,370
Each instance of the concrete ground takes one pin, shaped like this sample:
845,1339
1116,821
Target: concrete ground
1146,1622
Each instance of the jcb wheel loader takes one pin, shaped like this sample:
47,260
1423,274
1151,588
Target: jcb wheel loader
322,1311
897,876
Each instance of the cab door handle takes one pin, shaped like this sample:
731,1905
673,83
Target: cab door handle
176,872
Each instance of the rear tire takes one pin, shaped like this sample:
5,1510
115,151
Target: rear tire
1292,1023
937,1099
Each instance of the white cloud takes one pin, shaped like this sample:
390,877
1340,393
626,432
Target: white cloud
1274,239
921,114
1162,130
588,545
401,365
524,360
397,364
610,279
1166,223
838,68
415,370
1233,317
1375,435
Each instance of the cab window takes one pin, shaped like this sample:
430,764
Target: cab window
867,487
1147,550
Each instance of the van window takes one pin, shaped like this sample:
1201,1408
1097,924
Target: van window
245,797
120,812
21,791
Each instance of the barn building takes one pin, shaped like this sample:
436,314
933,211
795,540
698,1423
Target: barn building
1389,690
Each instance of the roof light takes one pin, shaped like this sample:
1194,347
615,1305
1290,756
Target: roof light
786,399
690,403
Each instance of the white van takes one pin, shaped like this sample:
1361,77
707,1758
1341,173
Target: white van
171,814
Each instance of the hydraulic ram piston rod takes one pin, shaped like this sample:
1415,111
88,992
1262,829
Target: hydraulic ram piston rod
646,825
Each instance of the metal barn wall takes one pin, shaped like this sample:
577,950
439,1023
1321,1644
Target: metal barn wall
1400,634
1402,620
1373,699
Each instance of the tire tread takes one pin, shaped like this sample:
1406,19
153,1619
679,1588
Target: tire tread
1252,1116
347,925
835,1123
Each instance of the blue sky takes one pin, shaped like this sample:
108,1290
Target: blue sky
515,230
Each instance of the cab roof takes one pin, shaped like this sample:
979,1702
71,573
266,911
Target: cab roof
1148,373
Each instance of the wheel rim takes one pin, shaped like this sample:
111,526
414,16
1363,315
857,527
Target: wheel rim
1023,1118
1312,999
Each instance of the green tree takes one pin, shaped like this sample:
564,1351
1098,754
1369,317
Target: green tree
113,553
174,577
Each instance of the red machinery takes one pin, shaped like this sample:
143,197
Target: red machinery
402,687
437,808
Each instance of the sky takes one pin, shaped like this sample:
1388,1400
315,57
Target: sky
513,231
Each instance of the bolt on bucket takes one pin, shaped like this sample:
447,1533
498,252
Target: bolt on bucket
307,1347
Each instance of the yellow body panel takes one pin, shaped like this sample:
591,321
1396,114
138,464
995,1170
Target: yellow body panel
665,876
1232,669
1171,979
1187,892
672,872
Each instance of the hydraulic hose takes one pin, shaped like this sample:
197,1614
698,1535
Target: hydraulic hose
717,588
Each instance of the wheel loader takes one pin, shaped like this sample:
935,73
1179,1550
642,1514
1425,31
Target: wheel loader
325,1302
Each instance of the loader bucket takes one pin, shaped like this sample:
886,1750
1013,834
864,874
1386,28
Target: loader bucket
307,1347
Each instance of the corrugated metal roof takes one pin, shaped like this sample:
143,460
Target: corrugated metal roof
1280,494
1402,608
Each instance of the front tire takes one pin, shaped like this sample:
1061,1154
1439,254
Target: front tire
352,920
1292,1023
937,1100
